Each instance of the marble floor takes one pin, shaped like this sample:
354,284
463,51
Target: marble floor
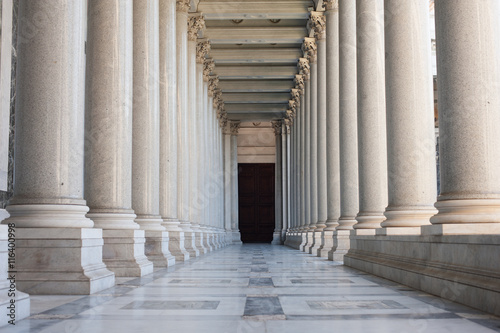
254,288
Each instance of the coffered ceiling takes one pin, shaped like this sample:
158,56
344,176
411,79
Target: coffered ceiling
255,45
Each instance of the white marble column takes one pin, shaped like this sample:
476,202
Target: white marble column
227,178
169,130
304,69
332,121
209,87
468,47
372,151
410,118
278,182
146,132
47,210
235,126
212,88
322,241
108,159
285,176
348,130
310,48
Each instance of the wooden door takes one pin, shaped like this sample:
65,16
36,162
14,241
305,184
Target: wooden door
256,202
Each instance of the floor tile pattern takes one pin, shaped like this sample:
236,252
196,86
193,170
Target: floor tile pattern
254,288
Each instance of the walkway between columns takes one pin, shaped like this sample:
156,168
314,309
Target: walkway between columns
254,288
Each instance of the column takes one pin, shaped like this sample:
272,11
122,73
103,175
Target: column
108,159
285,176
332,121
227,178
278,206
212,88
304,69
468,45
322,241
371,116
348,130
146,132
310,49
235,126
410,118
47,211
169,130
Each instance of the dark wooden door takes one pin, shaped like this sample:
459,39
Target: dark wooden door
256,202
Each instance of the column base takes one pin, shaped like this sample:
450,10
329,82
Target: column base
206,241
123,252
303,240
236,237
199,242
310,242
327,244
387,231
316,246
461,229
341,245
176,246
61,261
461,268
276,239
156,249
190,244
14,304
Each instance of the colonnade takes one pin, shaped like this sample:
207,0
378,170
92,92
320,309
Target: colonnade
122,162
380,157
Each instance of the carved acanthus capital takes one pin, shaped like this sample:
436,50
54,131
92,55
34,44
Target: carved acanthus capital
277,125
290,114
182,5
293,105
304,68
223,123
296,96
299,82
234,127
288,123
202,49
332,5
309,48
213,84
318,24
208,68
195,24
218,103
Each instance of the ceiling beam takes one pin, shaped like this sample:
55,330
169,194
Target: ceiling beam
256,72
267,55
263,9
229,86
252,35
233,108
256,116
256,98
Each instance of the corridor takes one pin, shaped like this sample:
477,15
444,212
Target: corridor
254,288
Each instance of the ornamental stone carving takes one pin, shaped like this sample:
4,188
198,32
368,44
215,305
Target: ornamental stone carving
195,24
309,48
299,83
234,127
208,68
290,114
318,24
202,49
292,105
288,123
296,96
332,5
182,5
304,68
223,123
277,124
213,84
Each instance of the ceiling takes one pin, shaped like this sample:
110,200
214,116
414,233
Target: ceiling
256,46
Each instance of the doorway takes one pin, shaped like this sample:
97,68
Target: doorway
256,202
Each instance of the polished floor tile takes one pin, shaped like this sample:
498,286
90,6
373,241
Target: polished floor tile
253,289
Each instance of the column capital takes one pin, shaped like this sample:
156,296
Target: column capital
287,122
277,125
234,126
213,83
223,123
304,69
182,5
331,5
299,83
318,24
208,68
309,48
217,99
202,49
290,114
196,22
293,105
296,95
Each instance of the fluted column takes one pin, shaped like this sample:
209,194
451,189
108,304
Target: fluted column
410,118
310,50
169,130
235,126
306,156
146,132
371,116
322,241
209,86
285,176
348,130
278,205
108,160
48,209
468,44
